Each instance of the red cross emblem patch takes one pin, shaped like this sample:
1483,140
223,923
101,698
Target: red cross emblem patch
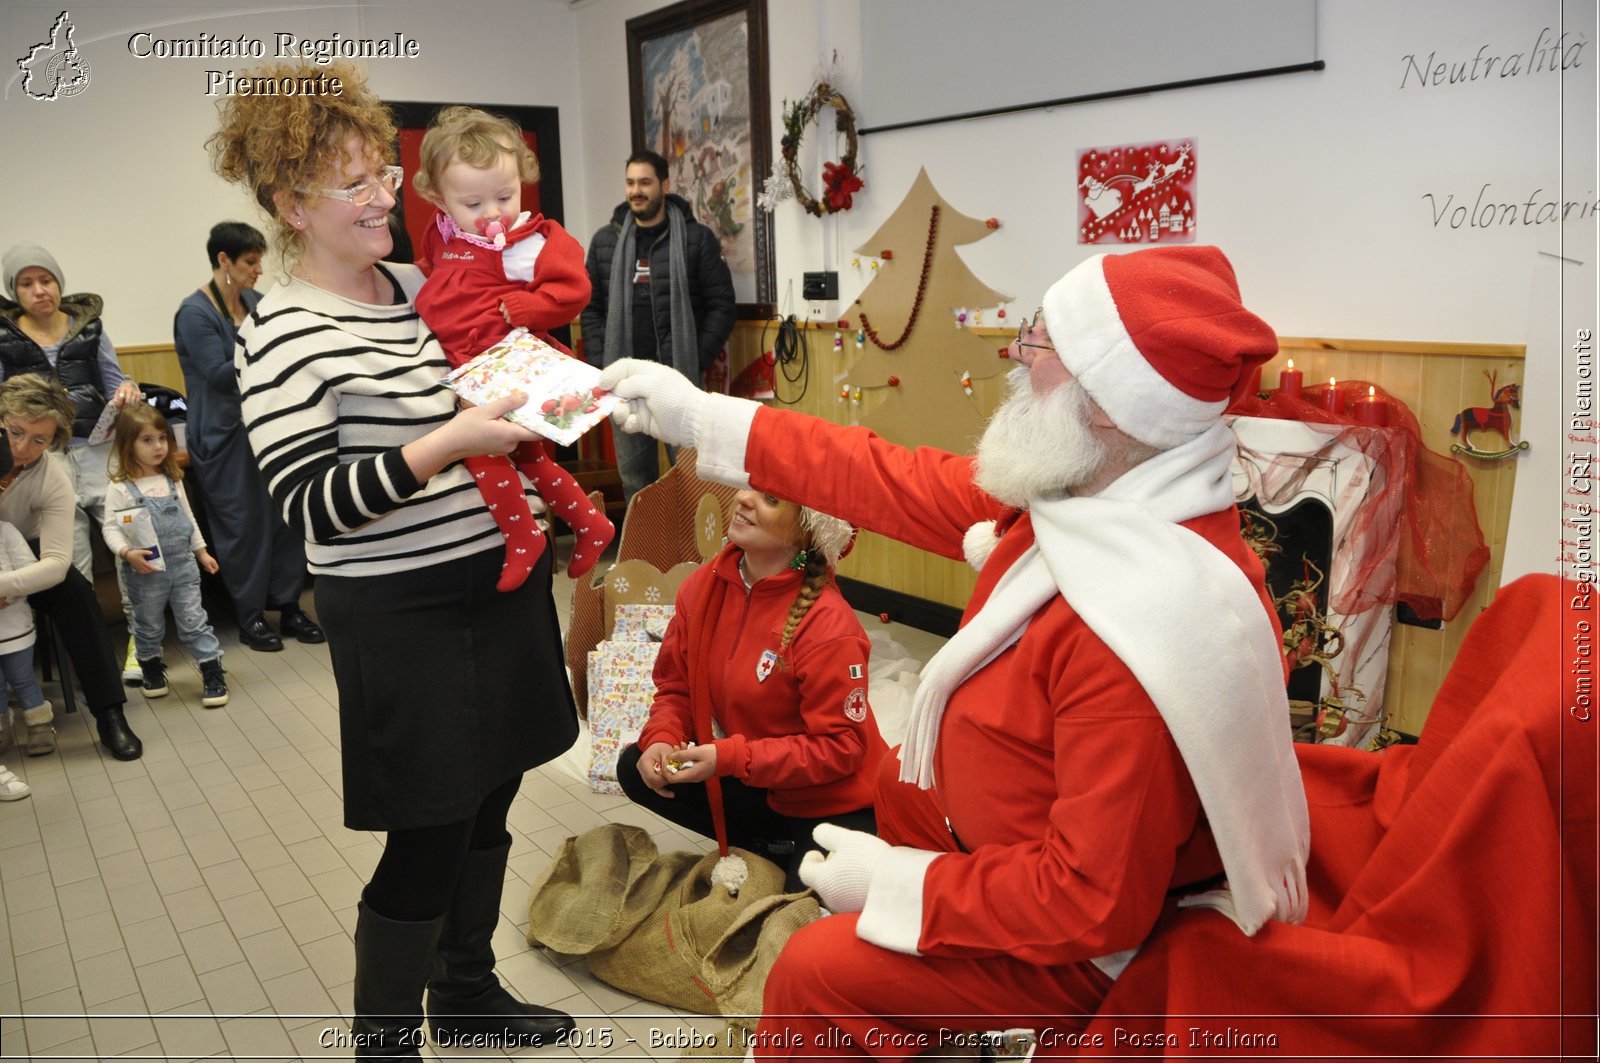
855,706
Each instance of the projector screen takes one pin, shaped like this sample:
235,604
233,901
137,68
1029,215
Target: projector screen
938,59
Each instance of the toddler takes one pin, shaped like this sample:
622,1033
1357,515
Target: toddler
492,265
37,733
145,474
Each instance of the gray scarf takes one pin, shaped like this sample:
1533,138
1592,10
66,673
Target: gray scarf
619,300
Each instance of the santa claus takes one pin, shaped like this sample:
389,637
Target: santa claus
1107,733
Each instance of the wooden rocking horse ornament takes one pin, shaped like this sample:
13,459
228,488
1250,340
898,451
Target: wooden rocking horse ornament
1486,418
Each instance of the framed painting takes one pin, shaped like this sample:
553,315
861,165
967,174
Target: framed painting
697,80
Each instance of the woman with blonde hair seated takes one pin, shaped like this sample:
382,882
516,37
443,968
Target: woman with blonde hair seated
36,496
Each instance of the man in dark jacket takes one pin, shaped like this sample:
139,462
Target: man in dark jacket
662,291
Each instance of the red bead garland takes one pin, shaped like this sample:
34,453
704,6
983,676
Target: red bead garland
922,290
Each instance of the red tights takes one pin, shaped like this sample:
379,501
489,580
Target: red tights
502,489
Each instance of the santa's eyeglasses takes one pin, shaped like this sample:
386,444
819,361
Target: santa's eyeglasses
1029,326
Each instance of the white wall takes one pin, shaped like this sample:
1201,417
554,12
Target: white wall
602,80
115,181
1315,184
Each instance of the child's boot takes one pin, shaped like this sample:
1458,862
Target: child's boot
41,736
154,670
214,689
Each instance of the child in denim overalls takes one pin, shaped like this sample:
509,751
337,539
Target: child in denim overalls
145,473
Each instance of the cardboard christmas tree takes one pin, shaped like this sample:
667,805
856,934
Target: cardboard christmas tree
916,359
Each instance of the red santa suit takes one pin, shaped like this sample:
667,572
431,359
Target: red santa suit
1055,773
1074,783
799,728
539,278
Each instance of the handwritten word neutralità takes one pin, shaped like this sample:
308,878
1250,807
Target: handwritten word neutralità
1562,52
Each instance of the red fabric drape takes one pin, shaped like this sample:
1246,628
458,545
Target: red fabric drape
1453,908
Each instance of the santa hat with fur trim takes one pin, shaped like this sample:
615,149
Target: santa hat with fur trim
1159,338
833,537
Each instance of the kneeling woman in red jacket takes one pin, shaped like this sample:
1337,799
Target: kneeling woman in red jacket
761,718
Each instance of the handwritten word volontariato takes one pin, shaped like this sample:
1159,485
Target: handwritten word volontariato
1488,212
1550,52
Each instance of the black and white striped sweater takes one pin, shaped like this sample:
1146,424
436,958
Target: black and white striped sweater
332,389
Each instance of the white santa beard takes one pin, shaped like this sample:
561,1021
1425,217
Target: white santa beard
1038,446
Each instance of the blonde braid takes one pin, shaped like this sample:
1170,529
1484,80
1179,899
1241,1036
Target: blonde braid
810,590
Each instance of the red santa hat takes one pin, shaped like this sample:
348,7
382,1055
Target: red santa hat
1159,338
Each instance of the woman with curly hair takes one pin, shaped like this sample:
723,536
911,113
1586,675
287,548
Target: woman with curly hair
448,691
760,719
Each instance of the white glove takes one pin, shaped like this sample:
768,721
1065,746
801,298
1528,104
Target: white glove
661,401
841,878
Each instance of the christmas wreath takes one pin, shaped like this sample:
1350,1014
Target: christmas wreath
841,180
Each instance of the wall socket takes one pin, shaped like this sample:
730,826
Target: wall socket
817,287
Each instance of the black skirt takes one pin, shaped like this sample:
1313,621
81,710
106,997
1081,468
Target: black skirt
447,688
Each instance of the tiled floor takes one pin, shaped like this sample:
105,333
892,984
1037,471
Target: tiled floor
199,903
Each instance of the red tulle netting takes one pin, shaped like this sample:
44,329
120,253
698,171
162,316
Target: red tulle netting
1442,551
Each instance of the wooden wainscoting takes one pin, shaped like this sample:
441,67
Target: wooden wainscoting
152,363
1436,380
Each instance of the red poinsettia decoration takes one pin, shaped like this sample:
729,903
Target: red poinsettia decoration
841,183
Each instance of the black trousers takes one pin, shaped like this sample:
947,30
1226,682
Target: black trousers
751,822
75,611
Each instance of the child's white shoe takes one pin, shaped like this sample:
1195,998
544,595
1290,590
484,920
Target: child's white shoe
11,787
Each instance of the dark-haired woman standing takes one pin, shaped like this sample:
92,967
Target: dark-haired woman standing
262,561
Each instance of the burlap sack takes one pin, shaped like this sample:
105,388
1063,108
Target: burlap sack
602,885
661,959
654,925
735,968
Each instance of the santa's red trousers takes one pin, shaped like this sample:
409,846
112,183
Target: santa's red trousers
832,995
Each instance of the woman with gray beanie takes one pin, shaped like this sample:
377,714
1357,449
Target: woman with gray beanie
61,337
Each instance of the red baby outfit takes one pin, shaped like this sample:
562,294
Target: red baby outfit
540,278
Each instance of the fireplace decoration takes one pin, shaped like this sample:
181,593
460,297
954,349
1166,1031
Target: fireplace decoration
1308,492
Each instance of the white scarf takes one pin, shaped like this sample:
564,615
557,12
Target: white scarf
1199,643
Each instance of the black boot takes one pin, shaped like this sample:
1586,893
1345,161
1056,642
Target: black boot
391,968
116,735
465,998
